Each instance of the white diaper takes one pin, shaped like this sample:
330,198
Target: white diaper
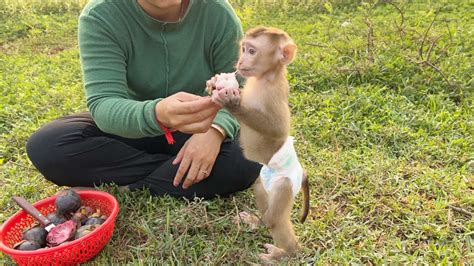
284,163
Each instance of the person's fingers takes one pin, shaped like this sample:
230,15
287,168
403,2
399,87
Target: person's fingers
192,174
186,96
179,157
198,116
166,109
192,107
180,154
201,175
183,168
198,127
204,172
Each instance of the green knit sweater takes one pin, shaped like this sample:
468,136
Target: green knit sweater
130,61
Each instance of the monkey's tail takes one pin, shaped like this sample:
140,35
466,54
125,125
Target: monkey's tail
305,188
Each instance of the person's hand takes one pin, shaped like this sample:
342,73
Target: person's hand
197,157
186,112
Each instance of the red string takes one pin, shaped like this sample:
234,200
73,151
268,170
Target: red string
168,135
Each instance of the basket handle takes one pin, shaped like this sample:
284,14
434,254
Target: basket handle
30,209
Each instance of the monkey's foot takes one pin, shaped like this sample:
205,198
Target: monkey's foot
274,253
249,219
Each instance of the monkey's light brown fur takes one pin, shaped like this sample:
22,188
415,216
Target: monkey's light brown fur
263,112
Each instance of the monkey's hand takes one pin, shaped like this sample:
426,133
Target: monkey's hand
227,97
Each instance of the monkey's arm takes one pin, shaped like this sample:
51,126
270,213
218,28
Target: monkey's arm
258,119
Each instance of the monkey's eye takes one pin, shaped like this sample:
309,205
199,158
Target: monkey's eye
243,49
252,51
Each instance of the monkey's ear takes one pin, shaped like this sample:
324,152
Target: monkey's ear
288,52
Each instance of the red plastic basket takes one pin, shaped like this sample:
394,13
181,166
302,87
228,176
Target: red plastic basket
74,252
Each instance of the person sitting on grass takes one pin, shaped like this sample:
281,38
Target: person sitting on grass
145,65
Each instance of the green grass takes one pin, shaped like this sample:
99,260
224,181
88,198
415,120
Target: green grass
385,132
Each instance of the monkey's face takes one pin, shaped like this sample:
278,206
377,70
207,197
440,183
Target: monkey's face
257,56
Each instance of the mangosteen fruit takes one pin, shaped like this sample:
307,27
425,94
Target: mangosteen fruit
26,245
95,220
61,233
84,230
96,214
79,218
81,234
36,235
67,202
86,210
55,219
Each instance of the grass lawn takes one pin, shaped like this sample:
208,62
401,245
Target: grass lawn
382,103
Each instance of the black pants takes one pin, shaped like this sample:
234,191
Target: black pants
73,151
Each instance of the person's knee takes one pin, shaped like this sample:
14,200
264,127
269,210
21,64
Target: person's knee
237,172
240,179
36,145
241,182
42,149
250,173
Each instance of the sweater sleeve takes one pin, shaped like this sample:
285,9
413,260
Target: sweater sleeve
225,55
105,80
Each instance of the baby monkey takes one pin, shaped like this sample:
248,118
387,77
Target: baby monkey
263,112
